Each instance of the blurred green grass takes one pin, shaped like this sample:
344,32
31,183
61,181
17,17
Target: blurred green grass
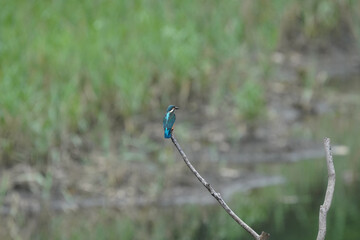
70,68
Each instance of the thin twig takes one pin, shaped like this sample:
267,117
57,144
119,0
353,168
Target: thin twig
217,196
329,191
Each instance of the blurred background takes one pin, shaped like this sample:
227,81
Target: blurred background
84,86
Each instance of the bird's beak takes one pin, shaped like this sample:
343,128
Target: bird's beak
176,107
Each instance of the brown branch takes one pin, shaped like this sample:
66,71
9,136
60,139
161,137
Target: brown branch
324,208
216,195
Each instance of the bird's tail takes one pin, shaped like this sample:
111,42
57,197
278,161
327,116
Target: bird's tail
167,132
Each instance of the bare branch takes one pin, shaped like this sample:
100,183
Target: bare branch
324,208
216,195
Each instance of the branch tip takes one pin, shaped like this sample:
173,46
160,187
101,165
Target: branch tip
324,208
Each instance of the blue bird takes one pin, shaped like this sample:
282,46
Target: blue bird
169,120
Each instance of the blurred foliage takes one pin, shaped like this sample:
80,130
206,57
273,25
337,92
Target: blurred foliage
69,68
250,100
74,69
321,24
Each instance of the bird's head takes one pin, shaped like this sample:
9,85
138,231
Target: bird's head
172,108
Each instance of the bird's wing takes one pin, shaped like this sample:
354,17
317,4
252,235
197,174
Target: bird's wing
168,123
164,121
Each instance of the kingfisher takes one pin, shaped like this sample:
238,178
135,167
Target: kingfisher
169,120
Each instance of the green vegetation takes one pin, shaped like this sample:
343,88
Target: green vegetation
82,71
69,68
